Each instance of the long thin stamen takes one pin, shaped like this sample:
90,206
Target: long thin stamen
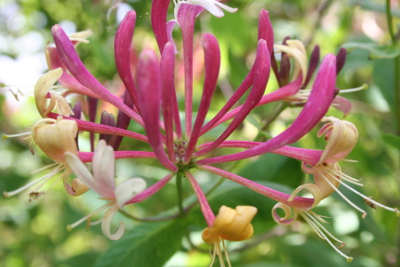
356,89
221,258
318,225
26,134
71,226
323,236
45,167
366,198
226,253
56,170
43,179
342,195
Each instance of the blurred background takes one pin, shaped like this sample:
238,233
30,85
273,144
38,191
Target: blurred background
34,233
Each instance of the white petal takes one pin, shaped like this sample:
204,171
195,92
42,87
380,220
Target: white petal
104,167
81,171
128,189
212,8
106,225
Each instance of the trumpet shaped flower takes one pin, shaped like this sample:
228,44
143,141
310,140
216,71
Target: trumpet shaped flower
102,181
54,138
178,140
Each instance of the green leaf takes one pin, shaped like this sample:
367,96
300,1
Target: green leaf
375,51
383,74
147,245
392,140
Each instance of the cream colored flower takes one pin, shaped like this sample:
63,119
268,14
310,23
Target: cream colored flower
46,99
230,224
54,137
102,181
295,49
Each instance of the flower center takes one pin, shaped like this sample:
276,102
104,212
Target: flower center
180,151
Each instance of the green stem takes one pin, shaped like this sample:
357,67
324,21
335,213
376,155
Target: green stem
390,22
179,193
397,92
396,65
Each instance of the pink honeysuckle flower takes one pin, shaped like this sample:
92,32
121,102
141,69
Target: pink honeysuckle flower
102,181
150,101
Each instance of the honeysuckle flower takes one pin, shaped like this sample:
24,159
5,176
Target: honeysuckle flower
102,181
54,138
341,137
229,224
295,49
176,140
43,94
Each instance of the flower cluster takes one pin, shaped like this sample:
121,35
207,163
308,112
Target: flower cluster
177,141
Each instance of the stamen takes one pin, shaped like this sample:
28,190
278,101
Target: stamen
343,196
323,236
321,227
43,179
213,254
356,89
345,177
226,253
221,258
72,226
27,134
45,167
368,198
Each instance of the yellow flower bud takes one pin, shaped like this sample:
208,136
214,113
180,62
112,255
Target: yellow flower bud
231,224
55,137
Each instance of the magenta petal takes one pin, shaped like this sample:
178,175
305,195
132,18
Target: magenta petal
212,60
149,95
298,202
186,17
148,192
262,71
265,30
159,9
74,64
204,205
66,80
280,94
122,52
102,129
169,103
315,108
342,104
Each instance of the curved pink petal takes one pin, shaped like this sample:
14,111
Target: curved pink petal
315,108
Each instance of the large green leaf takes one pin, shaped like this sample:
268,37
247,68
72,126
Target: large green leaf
147,245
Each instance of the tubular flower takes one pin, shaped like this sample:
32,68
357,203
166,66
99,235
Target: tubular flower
42,93
102,181
230,224
54,138
178,140
295,49
341,137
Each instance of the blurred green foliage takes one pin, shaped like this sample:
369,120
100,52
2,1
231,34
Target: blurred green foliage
34,234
